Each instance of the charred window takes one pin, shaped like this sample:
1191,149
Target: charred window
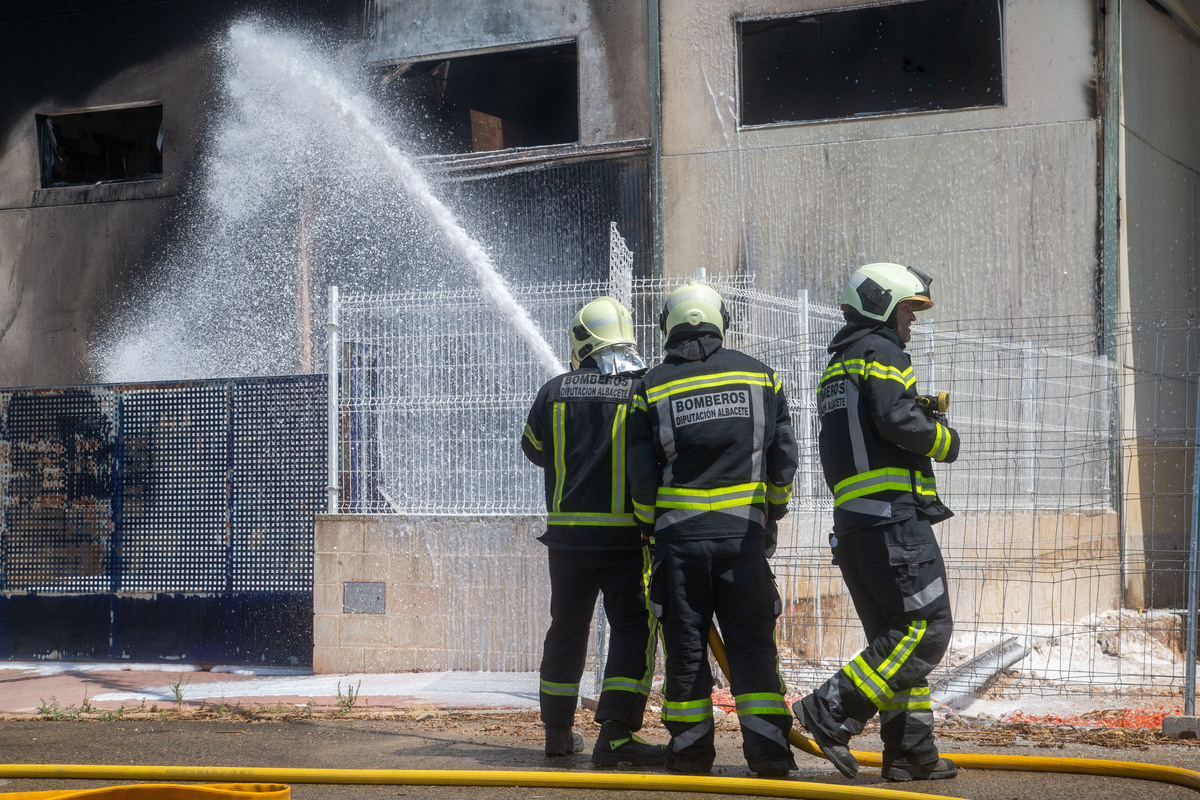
109,146
493,101
928,55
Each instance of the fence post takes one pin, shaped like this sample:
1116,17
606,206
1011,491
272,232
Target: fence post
1025,421
601,654
331,486
807,366
1189,691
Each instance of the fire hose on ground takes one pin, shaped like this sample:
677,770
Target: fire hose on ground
265,783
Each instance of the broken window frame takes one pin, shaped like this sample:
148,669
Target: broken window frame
460,131
753,105
147,150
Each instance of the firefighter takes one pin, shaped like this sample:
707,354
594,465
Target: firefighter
576,432
877,446
711,461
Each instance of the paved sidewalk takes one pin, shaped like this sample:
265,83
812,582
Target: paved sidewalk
27,686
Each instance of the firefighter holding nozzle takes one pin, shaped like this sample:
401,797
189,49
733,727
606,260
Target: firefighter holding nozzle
878,442
575,431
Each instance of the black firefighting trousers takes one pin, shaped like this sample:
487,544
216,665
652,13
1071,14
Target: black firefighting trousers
897,580
576,577
731,579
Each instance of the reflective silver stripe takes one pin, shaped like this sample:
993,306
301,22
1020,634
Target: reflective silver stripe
676,515
753,722
666,437
864,505
912,700
626,685
757,421
582,518
923,717
691,735
857,445
559,689
926,596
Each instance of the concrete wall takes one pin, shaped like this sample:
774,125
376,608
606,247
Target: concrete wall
393,594
999,205
614,93
458,593
68,256
1160,281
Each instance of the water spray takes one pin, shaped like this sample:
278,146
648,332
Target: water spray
251,44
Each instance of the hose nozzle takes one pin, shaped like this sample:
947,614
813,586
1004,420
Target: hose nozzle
934,403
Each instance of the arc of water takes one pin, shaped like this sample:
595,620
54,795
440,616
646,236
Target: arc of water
356,110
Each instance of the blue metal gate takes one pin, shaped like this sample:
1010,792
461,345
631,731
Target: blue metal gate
161,521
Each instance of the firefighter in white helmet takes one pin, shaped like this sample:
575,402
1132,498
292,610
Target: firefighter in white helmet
711,461
877,444
575,431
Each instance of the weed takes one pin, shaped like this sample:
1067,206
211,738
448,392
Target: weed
346,701
55,710
109,716
177,690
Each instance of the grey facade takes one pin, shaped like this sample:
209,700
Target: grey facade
1076,195
71,255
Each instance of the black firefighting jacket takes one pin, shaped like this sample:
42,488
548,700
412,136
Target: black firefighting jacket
711,448
877,445
576,432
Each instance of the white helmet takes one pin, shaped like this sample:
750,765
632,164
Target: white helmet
691,304
601,324
875,290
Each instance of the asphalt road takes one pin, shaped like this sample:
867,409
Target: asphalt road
506,741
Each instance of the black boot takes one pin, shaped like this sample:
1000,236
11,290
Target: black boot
618,745
938,770
562,741
838,754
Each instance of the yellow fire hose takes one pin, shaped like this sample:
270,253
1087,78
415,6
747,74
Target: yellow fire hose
273,776
432,777
1080,766
161,791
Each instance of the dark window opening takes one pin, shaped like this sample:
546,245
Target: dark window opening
518,98
930,55
122,144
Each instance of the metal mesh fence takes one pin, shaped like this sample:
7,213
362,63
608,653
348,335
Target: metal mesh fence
1067,555
198,495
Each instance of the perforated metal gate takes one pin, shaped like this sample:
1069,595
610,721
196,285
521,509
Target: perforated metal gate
161,521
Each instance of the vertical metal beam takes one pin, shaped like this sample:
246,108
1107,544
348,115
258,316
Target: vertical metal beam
656,200
1110,255
304,276
1189,690
1110,172
331,485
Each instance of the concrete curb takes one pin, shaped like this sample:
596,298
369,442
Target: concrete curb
1181,727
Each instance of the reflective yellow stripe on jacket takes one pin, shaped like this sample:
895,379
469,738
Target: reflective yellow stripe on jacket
708,382
778,495
941,444
590,518
744,494
872,482
859,367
